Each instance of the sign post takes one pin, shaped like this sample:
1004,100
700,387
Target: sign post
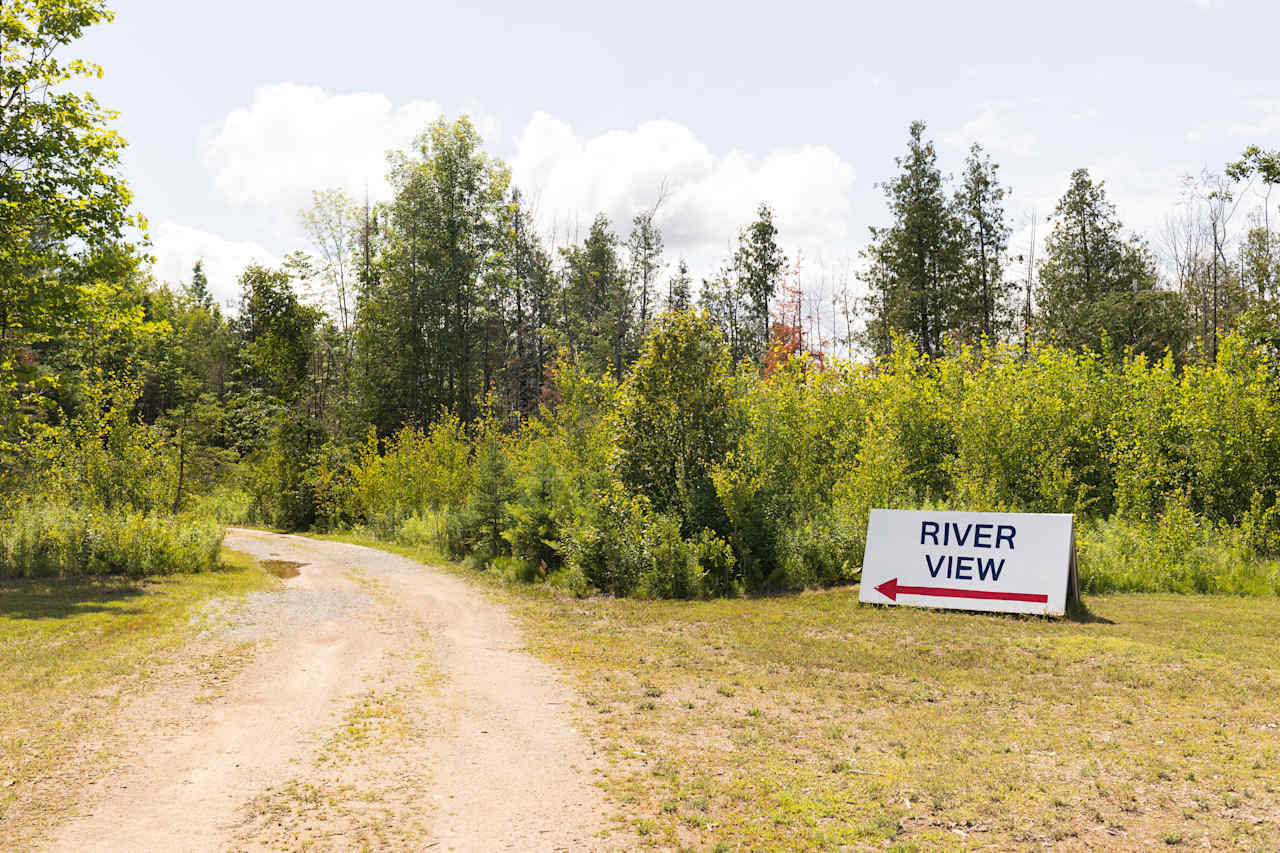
1003,562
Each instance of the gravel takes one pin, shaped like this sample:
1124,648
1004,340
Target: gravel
264,615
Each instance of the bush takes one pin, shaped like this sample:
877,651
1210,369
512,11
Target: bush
1030,434
225,505
676,420
688,479
40,539
410,472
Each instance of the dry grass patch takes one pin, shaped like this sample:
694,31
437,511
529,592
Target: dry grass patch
812,722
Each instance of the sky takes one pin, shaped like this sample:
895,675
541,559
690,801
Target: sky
236,111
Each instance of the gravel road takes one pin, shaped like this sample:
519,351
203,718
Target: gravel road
375,703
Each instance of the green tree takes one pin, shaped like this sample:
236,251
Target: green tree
531,308
597,302
1260,254
675,420
1095,284
428,311
758,264
979,207
63,205
680,288
737,297
198,289
722,299
276,331
644,250
915,266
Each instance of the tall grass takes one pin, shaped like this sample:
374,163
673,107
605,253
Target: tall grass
57,539
1182,554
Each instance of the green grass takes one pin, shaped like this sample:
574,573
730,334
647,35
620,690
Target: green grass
72,651
810,722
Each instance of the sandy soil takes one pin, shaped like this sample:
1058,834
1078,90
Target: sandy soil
377,704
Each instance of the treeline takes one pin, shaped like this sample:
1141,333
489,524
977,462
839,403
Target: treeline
435,370
698,477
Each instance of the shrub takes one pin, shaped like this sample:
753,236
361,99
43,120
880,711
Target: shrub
409,473
40,539
535,513
688,479
1030,434
676,420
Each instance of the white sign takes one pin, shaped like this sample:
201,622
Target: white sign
1002,561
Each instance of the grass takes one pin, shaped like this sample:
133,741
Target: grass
810,722
72,651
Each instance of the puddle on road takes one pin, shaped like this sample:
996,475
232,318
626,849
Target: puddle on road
282,568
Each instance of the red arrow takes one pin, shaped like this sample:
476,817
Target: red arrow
891,589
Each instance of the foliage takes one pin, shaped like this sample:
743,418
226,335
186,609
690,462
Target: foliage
914,265
1031,434
63,207
53,539
1097,286
440,376
675,420
743,483
1179,551
410,472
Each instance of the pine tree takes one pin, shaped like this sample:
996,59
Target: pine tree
644,247
915,266
680,288
758,265
533,297
1095,284
985,309
198,290
597,303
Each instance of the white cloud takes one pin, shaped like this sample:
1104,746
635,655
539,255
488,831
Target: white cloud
990,129
177,248
706,197
1265,124
294,139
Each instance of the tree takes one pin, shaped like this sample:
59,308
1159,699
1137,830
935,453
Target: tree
914,266
333,222
597,301
1255,161
428,310
534,293
1095,284
675,420
680,288
644,248
1261,252
276,332
63,206
198,289
979,207
1260,260
722,300
758,264
737,297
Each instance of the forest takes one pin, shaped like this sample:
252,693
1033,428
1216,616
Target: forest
434,370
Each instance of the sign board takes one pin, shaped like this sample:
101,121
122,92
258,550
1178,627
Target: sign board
1001,561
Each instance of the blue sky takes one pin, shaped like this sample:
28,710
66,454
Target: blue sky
235,111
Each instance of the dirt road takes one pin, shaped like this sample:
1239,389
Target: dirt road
374,703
